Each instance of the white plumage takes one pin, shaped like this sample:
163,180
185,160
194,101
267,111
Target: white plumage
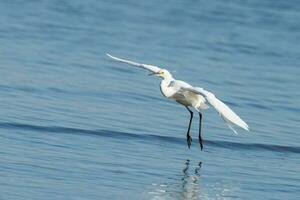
190,96
225,112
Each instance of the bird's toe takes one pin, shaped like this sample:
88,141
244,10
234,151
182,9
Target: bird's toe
189,141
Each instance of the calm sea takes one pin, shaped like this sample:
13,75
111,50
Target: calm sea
75,125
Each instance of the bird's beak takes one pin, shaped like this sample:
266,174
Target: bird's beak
154,73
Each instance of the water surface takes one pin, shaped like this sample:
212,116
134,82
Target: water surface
75,125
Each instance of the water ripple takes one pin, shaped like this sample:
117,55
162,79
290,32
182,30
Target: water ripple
152,137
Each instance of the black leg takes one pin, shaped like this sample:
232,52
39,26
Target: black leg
188,137
200,124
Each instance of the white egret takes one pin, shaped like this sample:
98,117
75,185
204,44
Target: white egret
189,96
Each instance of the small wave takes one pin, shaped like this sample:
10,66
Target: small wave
254,146
152,137
104,133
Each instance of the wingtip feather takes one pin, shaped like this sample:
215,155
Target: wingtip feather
109,55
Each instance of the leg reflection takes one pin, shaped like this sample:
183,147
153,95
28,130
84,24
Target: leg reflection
186,185
197,170
190,181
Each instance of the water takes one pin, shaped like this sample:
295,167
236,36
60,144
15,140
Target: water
75,125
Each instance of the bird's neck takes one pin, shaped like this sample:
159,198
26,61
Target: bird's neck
167,80
165,87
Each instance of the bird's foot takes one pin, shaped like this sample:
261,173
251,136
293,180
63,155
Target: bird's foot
200,142
189,140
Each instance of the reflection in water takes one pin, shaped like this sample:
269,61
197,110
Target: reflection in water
190,186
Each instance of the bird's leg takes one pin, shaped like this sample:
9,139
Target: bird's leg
188,137
200,124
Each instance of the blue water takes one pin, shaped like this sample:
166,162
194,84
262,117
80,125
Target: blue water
75,125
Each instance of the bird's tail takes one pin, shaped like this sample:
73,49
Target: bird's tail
230,117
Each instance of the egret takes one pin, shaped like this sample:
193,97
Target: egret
190,97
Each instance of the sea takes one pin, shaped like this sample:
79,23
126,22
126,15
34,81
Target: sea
76,125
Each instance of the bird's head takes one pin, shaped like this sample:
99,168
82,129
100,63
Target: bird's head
163,73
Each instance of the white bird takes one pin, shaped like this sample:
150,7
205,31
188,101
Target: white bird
190,96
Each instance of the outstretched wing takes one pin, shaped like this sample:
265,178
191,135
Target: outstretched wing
151,68
230,117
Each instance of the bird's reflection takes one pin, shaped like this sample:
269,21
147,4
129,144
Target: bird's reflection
188,186
190,181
